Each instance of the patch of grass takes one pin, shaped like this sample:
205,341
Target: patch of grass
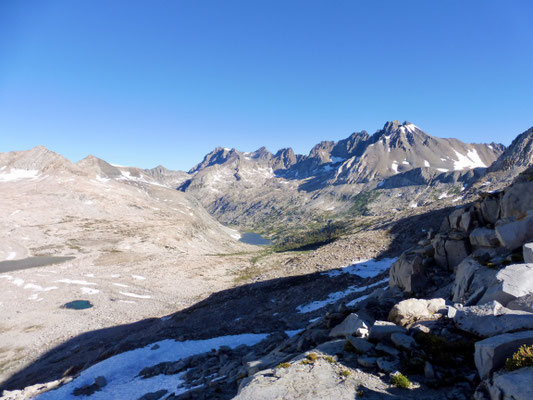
345,373
311,357
362,201
400,381
330,359
247,274
521,359
284,365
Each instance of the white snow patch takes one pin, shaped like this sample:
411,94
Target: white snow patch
121,371
314,319
86,290
394,166
335,297
88,202
336,160
75,282
138,277
364,268
456,199
14,212
120,285
413,205
426,163
357,300
443,196
102,179
138,296
293,332
16,174
11,255
442,169
471,160
37,288
405,162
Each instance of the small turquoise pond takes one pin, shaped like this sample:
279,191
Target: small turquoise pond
78,305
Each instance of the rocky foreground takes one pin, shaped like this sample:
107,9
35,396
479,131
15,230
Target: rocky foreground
458,306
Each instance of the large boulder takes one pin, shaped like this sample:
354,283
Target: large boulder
352,325
523,303
407,273
518,198
471,281
412,310
516,233
439,243
514,385
527,251
383,330
511,282
492,319
456,251
490,354
484,237
490,209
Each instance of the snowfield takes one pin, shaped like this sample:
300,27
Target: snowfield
121,371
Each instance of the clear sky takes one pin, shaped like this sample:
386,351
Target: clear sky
164,82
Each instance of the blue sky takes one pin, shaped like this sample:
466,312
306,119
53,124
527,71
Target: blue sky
164,82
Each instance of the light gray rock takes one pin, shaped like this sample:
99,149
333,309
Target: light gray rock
456,251
528,252
518,199
471,277
492,319
466,221
522,303
455,218
510,283
387,349
352,325
403,341
484,237
360,344
384,329
490,354
388,365
411,310
365,361
516,233
515,385
407,273
490,209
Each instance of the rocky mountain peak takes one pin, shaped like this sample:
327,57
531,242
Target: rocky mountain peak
518,155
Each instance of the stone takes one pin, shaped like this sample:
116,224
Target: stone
384,329
518,199
412,310
490,354
484,237
466,221
154,395
352,325
403,341
514,385
429,372
528,253
387,349
522,303
455,217
335,347
490,209
365,361
471,277
388,365
514,234
407,273
456,251
440,252
360,344
492,319
510,283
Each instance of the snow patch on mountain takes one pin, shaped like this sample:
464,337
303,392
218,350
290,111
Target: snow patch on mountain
16,174
471,160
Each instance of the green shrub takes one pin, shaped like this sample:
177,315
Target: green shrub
345,373
522,358
330,359
401,381
284,365
312,357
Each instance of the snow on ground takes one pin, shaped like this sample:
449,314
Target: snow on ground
413,205
471,160
426,163
75,282
138,296
336,296
364,268
443,195
86,290
357,300
138,277
11,255
121,371
16,174
293,332
394,166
